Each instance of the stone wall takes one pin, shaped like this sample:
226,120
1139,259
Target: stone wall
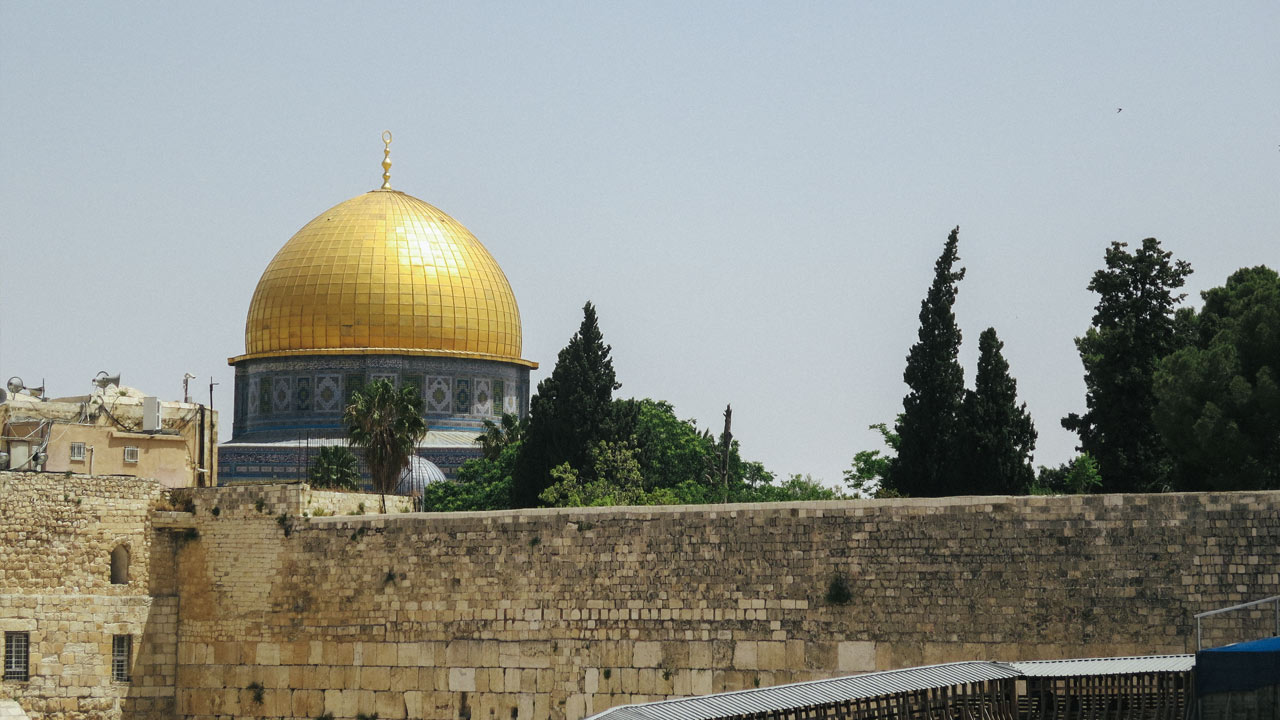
57,532
561,613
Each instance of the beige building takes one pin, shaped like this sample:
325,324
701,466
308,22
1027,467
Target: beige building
115,430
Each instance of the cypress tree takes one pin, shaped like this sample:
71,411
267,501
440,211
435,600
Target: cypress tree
570,413
1133,328
928,428
999,434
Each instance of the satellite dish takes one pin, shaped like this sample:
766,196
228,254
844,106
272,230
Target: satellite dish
15,385
3,395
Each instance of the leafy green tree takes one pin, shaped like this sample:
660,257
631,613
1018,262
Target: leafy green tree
335,468
999,436
794,489
1218,399
570,413
481,484
497,436
1078,477
1133,327
866,477
387,424
670,451
928,428
615,480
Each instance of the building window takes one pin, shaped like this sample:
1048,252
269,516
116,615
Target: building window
17,655
120,566
121,655
77,451
131,454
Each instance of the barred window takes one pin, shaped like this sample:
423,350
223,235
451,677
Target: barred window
17,656
77,451
130,454
121,657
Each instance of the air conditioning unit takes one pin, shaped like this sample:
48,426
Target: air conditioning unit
150,414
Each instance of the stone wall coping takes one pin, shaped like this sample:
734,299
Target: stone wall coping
814,505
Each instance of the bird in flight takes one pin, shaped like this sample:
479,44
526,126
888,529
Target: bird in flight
1119,109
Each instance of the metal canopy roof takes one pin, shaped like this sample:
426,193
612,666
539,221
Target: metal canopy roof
814,692
1106,666
887,682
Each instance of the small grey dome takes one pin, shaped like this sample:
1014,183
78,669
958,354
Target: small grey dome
420,473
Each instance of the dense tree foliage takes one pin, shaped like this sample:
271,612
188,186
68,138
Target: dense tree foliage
481,484
1133,327
484,483
1218,399
998,435
669,450
570,413
797,487
387,424
335,468
1078,477
614,479
657,460
498,436
929,427
865,477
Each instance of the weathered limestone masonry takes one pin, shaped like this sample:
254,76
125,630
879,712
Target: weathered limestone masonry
57,534
560,613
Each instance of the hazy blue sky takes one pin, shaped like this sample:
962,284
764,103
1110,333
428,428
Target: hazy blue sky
752,194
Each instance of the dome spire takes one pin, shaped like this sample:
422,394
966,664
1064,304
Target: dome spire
386,160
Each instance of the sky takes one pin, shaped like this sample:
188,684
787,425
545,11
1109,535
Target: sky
752,194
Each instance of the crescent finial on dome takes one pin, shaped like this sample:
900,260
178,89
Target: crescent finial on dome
386,160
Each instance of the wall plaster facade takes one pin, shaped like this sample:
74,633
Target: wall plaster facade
273,601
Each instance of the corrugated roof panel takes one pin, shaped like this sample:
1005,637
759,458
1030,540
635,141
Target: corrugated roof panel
814,692
853,687
1106,666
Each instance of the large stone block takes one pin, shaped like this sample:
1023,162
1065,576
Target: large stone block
856,656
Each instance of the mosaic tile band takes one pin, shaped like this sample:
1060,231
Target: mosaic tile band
278,398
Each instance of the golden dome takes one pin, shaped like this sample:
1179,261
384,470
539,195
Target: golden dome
383,273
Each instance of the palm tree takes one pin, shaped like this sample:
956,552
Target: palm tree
497,437
335,467
387,423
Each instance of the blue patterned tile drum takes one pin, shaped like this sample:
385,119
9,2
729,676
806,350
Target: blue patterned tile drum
382,286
